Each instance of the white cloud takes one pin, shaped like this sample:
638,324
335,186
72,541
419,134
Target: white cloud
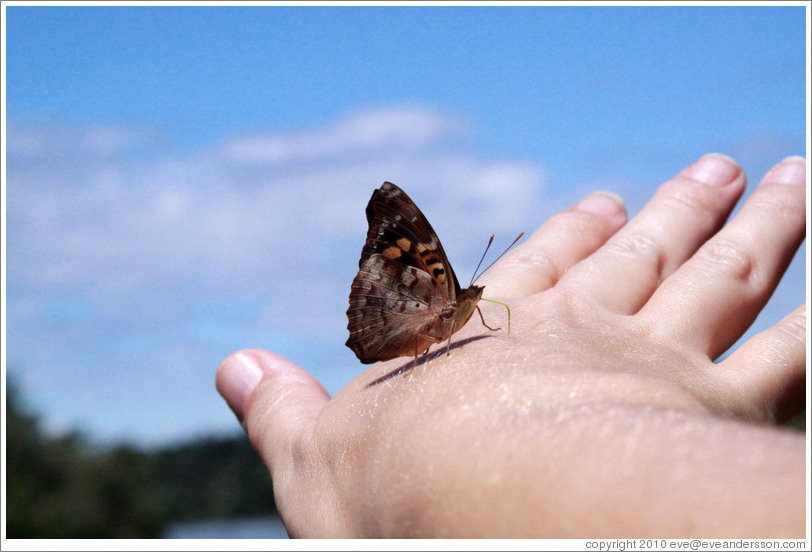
361,134
51,142
166,255
169,221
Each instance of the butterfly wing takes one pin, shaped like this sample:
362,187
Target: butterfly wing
404,297
392,308
401,233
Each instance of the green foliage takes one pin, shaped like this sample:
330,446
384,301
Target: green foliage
65,488
214,478
61,488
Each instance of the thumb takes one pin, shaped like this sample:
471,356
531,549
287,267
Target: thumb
276,401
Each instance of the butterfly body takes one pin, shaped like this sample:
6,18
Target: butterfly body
405,296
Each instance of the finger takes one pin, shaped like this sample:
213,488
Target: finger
237,377
276,401
715,296
768,372
683,213
563,240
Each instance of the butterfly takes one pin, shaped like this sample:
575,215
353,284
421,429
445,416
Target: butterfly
405,296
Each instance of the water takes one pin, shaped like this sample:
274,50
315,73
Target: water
270,527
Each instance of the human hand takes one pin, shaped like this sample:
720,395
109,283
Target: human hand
601,414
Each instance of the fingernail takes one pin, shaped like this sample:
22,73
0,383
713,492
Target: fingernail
603,203
237,377
791,170
714,169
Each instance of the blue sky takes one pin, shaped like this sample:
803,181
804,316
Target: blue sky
183,182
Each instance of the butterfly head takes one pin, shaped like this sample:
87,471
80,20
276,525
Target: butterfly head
467,300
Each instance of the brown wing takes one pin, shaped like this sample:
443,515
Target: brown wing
401,233
392,308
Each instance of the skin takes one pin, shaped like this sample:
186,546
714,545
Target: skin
602,414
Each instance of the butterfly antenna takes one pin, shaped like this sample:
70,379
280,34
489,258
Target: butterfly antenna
497,258
490,241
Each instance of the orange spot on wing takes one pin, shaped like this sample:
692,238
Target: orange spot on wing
392,253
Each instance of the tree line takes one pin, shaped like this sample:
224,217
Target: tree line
66,487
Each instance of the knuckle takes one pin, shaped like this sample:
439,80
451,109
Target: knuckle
793,327
638,246
728,258
693,199
541,263
545,264
781,201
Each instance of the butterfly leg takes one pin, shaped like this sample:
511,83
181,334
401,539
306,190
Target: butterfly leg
450,333
414,364
483,321
416,355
